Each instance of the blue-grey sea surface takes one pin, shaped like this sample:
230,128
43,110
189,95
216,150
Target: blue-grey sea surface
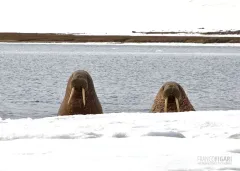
127,78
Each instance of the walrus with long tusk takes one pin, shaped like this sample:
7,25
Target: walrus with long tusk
80,96
171,98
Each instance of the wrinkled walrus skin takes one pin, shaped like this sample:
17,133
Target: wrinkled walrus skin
80,96
170,96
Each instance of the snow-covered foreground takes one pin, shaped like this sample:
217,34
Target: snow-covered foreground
206,140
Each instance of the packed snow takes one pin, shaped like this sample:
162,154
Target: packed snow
119,17
202,140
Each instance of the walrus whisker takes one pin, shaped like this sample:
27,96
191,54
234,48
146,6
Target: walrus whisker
177,104
71,94
83,96
166,104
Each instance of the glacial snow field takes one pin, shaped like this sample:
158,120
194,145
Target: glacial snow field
203,140
119,17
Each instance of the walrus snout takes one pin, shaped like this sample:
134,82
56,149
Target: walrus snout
79,83
171,90
171,93
79,86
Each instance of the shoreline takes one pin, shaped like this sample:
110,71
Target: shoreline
82,38
131,44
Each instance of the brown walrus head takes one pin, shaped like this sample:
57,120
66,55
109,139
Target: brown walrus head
80,97
171,98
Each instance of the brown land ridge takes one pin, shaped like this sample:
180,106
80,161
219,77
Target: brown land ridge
81,38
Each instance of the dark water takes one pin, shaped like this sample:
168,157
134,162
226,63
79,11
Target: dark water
127,77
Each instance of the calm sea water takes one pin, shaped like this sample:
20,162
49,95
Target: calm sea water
33,77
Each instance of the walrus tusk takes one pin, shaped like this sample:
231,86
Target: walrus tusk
165,105
71,94
177,104
83,96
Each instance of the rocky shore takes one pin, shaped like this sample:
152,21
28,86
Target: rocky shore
144,38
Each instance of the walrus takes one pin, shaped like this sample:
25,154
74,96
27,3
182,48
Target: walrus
171,98
80,96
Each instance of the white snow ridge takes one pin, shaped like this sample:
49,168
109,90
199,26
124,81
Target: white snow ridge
207,140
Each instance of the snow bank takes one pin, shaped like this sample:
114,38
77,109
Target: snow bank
203,140
205,124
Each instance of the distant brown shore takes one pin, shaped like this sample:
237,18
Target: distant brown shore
71,38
